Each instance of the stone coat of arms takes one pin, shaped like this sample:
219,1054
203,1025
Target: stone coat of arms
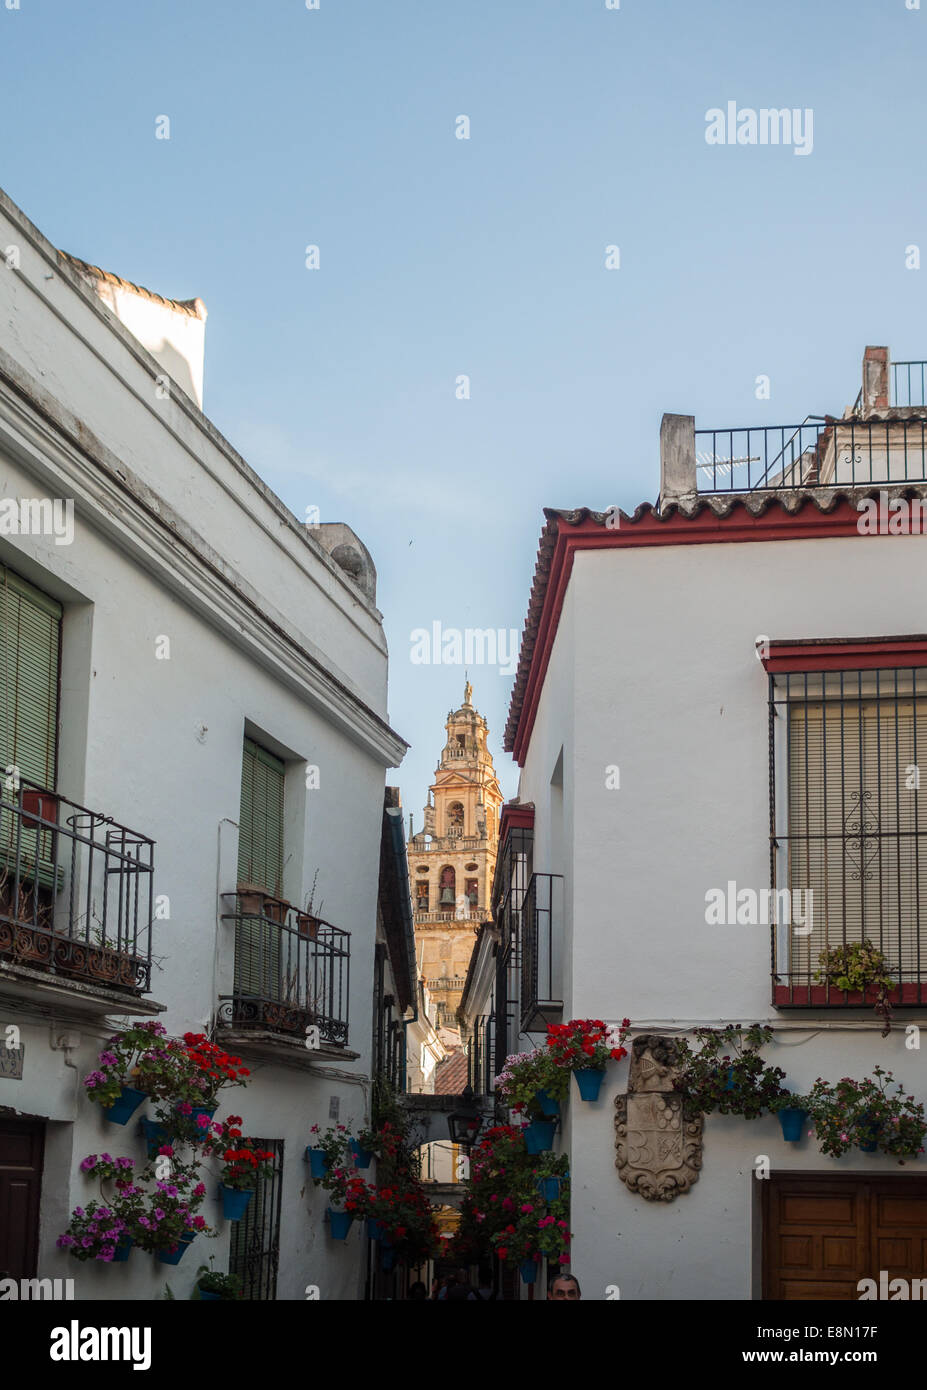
659,1150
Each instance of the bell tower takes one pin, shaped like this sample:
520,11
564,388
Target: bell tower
451,861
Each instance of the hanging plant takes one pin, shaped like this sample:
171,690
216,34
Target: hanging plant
856,968
529,1080
866,1115
727,1073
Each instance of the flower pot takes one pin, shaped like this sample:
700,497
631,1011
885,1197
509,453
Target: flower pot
155,1135
192,1118
217,1297
235,1201
387,1257
539,1136
308,925
528,1269
549,1189
173,1257
868,1131
362,1157
123,1249
792,1120
729,1079
589,1080
275,910
340,1222
38,803
250,900
318,1162
546,1104
374,1228
125,1105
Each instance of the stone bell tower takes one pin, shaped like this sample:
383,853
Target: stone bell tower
451,861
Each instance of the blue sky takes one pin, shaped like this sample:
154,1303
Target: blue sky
485,257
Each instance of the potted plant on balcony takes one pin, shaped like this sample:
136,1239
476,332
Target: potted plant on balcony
860,968
533,1084
727,1073
103,1230
328,1150
212,1285
585,1046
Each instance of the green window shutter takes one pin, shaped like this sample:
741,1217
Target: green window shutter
30,641
260,862
260,834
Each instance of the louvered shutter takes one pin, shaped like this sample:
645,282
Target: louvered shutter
260,862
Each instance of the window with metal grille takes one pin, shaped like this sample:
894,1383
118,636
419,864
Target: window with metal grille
848,823
254,1251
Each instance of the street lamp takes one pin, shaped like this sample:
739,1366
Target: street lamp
465,1124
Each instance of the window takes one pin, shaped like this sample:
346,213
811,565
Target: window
850,826
421,895
455,817
448,888
254,1249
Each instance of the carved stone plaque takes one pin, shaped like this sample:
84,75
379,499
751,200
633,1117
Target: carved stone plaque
659,1150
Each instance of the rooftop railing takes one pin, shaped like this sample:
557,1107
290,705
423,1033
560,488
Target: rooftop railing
820,452
909,383
76,890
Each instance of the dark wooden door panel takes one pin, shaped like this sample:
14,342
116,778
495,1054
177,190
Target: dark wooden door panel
21,1149
822,1235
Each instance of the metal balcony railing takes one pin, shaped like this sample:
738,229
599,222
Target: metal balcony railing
76,890
541,948
820,452
292,970
909,384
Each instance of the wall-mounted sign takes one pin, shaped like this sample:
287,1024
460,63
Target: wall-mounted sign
11,1062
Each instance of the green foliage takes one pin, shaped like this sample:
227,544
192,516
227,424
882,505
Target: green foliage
857,967
727,1073
849,1113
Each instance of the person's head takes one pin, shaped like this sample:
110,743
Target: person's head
417,1290
462,1276
564,1286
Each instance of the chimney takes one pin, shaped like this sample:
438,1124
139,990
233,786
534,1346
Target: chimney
677,459
875,380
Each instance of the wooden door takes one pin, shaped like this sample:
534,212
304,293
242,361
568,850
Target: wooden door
823,1234
21,1149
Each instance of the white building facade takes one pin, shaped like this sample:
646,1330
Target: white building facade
709,691
195,665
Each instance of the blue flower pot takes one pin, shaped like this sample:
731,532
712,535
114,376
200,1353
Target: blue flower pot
549,1189
125,1105
193,1117
539,1136
589,1080
235,1201
123,1249
155,1135
546,1104
212,1297
867,1134
340,1222
387,1257
318,1162
173,1257
362,1157
792,1120
528,1269
374,1228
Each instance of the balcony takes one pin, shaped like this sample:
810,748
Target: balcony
541,947
473,914
292,972
76,892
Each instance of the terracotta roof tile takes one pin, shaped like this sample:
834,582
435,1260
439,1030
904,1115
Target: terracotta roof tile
194,307
451,1076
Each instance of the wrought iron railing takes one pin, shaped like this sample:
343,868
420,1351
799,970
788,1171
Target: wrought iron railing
817,453
848,835
76,889
480,1071
909,383
541,948
292,970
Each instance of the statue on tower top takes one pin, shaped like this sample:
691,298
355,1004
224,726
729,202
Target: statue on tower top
468,692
